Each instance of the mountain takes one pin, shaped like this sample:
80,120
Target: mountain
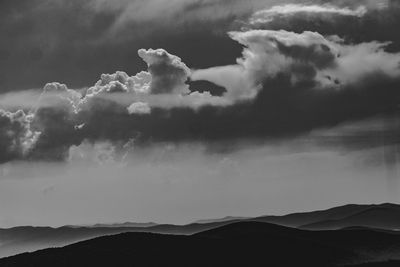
390,263
236,244
385,216
351,217
24,239
225,219
125,224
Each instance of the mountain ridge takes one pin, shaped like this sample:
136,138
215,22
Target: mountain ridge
246,243
29,238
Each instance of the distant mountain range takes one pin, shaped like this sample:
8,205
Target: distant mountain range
246,243
24,239
116,225
384,216
225,219
349,217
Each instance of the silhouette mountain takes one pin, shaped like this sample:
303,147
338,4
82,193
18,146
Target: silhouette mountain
384,216
26,238
237,244
118,225
225,219
350,217
390,263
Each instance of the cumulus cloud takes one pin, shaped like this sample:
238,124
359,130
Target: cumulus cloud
168,72
235,78
139,108
106,34
306,57
163,85
65,117
16,136
57,94
96,36
285,83
357,62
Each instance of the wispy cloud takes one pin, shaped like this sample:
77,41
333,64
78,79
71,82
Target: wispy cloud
268,15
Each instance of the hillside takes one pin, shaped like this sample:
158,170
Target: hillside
25,239
385,216
236,244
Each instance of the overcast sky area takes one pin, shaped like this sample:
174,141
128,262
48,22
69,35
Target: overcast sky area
179,110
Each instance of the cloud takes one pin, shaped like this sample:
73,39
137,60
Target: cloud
139,108
165,85
58,95
27,99
88,38
98,36
65,117
181,12
16,135
174,12
268,15
99,153
284,84
356,62
235,78
354,21
168,72
306,57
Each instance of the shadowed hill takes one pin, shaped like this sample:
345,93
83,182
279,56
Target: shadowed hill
25,239
225,219
385,216
378,264
352,217
125,224
236,244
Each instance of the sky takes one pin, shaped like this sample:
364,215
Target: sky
173,111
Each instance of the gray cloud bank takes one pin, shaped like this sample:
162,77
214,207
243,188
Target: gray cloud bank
285,83
72,41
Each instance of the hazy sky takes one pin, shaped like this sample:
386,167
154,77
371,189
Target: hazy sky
172,111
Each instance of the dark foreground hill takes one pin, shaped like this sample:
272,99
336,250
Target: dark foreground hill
236,244
24,239
390,263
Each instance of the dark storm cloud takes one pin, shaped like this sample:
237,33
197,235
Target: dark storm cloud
73,41
284,84
41,39
289,100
